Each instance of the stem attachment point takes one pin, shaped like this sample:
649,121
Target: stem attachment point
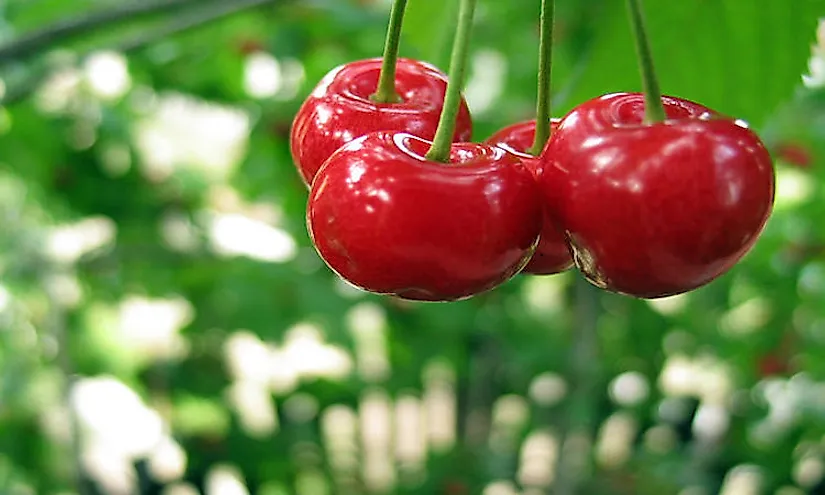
543,127
440,149
385,93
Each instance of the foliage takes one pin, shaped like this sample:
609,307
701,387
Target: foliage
165,322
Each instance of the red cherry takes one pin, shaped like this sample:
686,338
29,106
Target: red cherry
652,210
455,487
249,46
340,110
390,221
552,254
772,364
794,154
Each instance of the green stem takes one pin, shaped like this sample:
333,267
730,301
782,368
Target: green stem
386,80
543,128
440,150
654,110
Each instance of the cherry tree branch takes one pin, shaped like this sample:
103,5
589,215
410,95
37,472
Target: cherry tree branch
31,43
185,23
575,463
221,10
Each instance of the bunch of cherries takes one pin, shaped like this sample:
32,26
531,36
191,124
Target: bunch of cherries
647,195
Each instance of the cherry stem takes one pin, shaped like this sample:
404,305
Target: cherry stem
654,110
543,127
442,142
385,92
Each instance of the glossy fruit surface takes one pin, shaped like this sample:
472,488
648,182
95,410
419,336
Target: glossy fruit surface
339,110
652,210
552,254
389,221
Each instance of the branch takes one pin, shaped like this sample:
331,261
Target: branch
584,371
201,18
31,43
190,22
55,327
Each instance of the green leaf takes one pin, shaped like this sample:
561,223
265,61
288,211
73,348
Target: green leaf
428,31
742,58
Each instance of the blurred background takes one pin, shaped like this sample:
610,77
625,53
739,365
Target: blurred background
167,328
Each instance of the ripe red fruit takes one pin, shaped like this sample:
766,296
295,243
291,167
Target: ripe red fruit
652,210
552,254
248,46
340,110
390,221
772,364
794,154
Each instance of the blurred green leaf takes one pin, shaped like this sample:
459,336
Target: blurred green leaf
740,58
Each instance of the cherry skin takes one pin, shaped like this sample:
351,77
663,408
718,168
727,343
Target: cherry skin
340,109
652,210
552,254
389,221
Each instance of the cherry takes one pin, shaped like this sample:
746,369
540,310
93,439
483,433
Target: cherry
652,210
794,153
248,46
552,254
340,109
390,221
772,364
